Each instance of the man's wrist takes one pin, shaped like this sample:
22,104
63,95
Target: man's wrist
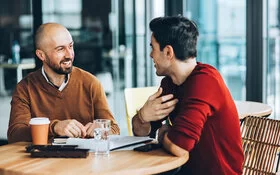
140,117
53,126
161,138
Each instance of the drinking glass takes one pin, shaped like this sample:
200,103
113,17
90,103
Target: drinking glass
101,136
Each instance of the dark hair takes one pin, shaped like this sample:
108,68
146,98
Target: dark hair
177,31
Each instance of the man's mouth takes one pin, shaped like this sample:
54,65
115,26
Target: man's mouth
67,63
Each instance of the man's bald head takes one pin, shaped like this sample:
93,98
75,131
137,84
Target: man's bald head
46,32
54,47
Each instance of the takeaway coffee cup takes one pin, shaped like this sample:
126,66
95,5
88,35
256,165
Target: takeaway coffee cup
39,130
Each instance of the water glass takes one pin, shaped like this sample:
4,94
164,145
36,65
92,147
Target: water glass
101,136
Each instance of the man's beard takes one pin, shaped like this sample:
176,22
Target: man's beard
57,68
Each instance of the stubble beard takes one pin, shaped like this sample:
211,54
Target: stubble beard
57,68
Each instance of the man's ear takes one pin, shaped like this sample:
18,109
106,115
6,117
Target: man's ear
40,54
168,51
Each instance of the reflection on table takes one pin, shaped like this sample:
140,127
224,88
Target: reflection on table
250,108
15,160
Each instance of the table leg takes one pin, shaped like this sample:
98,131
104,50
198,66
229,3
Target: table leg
19,74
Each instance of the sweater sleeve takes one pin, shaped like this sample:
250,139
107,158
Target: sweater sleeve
21,113
101,108
199,102
19,129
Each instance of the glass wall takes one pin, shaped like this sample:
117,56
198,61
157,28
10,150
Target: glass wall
272,53
89,28
16,26
138,64
222,43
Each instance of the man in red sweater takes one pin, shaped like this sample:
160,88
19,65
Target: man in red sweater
203,120
70,97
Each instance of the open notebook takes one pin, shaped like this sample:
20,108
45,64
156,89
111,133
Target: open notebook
116,142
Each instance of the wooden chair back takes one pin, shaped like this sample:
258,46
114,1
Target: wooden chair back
261,142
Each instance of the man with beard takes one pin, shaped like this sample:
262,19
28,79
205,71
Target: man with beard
70,97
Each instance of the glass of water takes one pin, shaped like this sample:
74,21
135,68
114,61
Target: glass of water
101,136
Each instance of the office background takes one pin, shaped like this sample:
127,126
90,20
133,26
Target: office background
238,37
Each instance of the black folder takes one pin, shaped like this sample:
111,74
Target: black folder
57,151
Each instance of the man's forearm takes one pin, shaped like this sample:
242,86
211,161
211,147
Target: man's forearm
140,128
173,148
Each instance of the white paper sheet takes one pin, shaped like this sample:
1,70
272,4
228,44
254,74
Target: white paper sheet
116,142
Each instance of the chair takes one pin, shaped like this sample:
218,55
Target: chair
135,98
261,143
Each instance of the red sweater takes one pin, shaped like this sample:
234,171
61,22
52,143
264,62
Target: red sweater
205,122
82,99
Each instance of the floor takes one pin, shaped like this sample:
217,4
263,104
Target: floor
117,107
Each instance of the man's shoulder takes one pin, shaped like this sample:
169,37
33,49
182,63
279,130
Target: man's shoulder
207,68
82,75
33,76
30,81
205,71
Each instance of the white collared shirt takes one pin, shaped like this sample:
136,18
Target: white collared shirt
62,85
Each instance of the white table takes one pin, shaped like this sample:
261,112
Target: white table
19,68
251,108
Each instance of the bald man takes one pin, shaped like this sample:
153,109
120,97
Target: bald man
70,97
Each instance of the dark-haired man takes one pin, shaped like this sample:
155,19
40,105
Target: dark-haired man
203,119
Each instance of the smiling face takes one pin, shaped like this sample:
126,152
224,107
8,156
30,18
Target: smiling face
56,49
160,59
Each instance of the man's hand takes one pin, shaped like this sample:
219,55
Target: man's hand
89,129
70,128
157,107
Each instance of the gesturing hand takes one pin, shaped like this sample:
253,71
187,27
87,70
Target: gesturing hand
157,106
70,128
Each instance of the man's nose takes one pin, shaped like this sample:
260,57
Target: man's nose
69,53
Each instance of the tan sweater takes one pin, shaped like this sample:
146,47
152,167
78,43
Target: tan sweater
82,99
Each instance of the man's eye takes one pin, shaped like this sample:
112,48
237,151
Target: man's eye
60,49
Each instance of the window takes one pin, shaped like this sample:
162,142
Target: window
222,43
272,49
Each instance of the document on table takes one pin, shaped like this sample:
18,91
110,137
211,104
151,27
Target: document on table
116,142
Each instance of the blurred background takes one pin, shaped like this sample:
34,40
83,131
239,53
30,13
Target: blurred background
238,37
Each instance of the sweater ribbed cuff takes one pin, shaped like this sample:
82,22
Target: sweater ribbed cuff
52,125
